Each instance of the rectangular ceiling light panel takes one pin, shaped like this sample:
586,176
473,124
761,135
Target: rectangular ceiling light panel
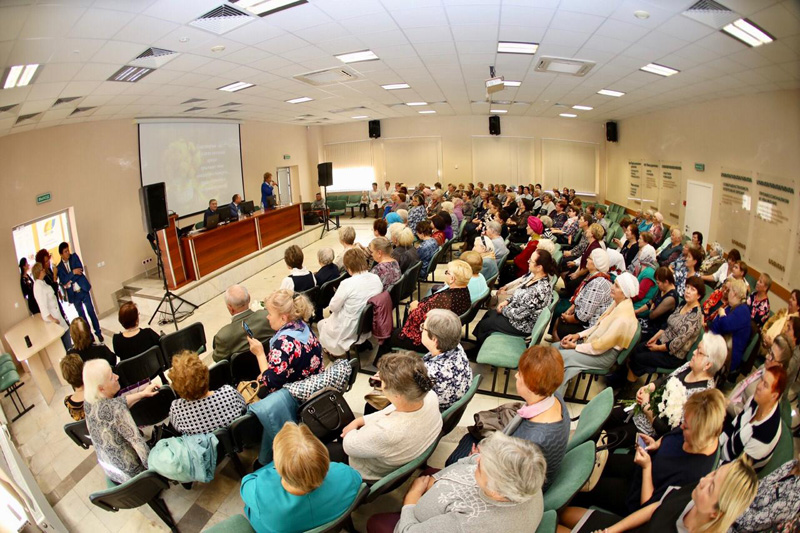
19,76
661,70
130,74
582,107
609,92
237,86
355,57
299,100
510,47
395,86
748,33
262,8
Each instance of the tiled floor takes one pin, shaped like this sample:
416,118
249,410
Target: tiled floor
67,474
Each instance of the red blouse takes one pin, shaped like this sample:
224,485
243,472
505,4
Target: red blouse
456,300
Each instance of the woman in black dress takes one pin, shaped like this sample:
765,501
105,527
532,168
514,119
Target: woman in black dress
26,284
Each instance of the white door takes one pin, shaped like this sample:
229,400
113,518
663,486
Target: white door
284,186
699,197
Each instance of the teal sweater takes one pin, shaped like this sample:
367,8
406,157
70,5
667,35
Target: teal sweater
271,509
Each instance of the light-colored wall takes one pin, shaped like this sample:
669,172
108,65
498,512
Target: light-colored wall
456,134
759,133
94,168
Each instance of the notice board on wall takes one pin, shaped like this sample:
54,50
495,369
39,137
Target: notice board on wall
670,193
735,208
635,184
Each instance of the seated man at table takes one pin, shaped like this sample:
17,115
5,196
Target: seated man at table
212,210
236,207
231,339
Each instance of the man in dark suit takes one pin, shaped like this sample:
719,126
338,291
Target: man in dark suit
72,278
212,210
231,339
236,207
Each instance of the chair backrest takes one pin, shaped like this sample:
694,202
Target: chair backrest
192,337
355,366
457,236
135,492
592,418
155,409
144,366
396,292
553,302
336,524
234,524
326,291
411,280
224,443
452,415
246,432
311,293
542,321
470,314
557,255
365,321
548,523
490,281
783,452
575,469
435,260
501,259
219,374
244,367
79,433
393,480
623,355
696,343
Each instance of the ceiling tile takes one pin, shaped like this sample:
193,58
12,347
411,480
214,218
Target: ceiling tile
570,20
118,53
50,21
95,72
100,24
606,44
565,37
27,51
75,50
622,30
12,19
82,88
181,12
473,14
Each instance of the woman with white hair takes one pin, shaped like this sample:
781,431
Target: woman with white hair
734,320
120,447
328,270
646,221
497,489
657,229
698,374
484,246
597,347
404,252
448,208
347,238
644,267
446,361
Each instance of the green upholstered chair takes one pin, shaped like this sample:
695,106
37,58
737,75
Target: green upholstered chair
10,383
344,521
79,433
5,357
503,351
337,209
548,523
593,373
575,470
748,353
784,452
592,418
353,201
452,415
144,488
234,524
393,480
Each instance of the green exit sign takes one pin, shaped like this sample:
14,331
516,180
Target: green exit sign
700,167
287,156
42,198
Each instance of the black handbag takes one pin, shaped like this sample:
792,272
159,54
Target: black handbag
326,414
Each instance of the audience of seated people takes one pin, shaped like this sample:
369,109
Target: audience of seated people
300,279
347,238
328,270
446,361
404,251
654,314
427,248
484,246
780,354
83,343
232,338
133,340
72,370
386,267
734,320
197,409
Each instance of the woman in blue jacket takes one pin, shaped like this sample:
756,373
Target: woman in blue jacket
734,320
301,489
267,192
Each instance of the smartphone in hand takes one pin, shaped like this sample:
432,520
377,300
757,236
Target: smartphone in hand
247,330
640,442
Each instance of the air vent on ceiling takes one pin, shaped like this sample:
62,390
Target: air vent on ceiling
348,110
78,110
154,58
7,108
193,100
66,100
230,104
711,14
195,109
26,118
560,65
228,111
329,76
222,19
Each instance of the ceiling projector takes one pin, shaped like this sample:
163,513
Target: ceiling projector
494,84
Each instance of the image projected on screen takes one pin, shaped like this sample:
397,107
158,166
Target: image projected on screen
197,161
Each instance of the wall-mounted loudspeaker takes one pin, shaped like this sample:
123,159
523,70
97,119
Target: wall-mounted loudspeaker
325,174
374,129
154,206
611,132
494,125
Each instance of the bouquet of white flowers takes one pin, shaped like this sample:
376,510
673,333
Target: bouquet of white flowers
672,399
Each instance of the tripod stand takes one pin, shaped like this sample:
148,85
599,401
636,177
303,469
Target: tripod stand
326,216
168,298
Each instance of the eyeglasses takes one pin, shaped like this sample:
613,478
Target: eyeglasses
446,272
422,327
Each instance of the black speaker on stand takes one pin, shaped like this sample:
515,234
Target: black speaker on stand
494,125
324,179
154,208
612,135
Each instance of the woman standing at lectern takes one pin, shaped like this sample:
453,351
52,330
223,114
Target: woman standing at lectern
267,192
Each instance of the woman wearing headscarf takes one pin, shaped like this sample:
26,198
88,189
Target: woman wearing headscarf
657,228
644,268
714,259
591,299
598,346
533,228
484,246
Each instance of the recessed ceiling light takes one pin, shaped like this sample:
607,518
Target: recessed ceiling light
509,47
416,103
262,8
130,74
498,111
360,116
19,76
218,48
395,86
355,57
427,112
748,33
609,92
661,70
183,40
641,15
299,100
582,107
236,86
567,115
512,83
